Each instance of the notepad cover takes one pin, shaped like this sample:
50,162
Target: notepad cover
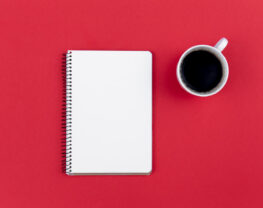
109,112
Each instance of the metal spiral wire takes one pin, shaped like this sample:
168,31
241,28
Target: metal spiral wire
67,114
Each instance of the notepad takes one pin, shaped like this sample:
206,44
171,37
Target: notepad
108,112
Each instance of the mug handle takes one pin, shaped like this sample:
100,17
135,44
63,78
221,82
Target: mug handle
221,44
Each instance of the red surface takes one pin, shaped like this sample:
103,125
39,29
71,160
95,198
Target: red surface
207,151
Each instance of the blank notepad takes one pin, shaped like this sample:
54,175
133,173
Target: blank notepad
109,112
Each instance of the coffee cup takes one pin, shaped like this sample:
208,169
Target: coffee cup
202,70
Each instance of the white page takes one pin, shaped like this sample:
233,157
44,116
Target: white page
111,112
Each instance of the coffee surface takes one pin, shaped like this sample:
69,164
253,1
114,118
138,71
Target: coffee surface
201,71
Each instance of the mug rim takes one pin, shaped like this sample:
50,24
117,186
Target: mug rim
219,56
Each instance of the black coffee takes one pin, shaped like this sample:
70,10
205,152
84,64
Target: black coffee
201,71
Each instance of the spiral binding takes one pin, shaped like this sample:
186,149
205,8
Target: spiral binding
67,117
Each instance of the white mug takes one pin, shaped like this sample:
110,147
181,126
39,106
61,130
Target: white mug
217,52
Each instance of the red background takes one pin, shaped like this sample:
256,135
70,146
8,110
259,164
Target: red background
207,151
